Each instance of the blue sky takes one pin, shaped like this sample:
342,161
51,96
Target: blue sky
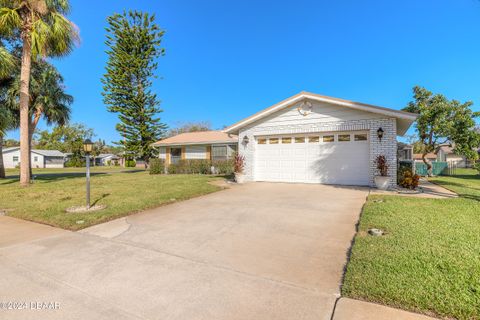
228,59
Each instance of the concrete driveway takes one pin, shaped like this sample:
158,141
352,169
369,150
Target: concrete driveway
256,251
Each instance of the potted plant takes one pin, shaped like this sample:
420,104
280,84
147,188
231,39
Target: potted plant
238,166
383,180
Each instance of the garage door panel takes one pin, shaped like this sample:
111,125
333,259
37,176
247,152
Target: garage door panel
330,163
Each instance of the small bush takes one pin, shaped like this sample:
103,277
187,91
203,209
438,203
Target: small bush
382,165
239,163
189,166
130,163
476,166
75,163
223,166
407,179
403,165
157,166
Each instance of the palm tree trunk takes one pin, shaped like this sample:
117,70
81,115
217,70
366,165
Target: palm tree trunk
24,117
2,168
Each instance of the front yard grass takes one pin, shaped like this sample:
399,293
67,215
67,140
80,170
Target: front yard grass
55,190
429,259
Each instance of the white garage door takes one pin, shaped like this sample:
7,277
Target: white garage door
330,158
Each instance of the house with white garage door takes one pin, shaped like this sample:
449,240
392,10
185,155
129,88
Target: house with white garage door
310,138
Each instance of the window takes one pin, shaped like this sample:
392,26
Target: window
329,138
35,159
343,137
287,140
361,137
273,141
262,141
219,153
175,155
314,139
15,158
299,139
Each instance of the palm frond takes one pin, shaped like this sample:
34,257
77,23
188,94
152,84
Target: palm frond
9,21
7,63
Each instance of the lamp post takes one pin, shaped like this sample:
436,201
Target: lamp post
87,147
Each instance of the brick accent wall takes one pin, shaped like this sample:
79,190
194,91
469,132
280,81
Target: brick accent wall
387,146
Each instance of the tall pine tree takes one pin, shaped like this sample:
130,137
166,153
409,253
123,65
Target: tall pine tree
134,45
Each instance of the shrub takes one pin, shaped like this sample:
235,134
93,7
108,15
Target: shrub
75,162
157,166
239,163
403,165
407,179
476,166
223,166
130,163
382,165
189,166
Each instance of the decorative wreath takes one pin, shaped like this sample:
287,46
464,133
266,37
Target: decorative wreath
305,108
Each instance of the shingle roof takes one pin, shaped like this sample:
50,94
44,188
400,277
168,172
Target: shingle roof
430,155
447,149
5,150
47,153
200,137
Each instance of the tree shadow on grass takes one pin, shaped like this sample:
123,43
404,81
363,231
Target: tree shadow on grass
103,196
51,177
473,195
54,177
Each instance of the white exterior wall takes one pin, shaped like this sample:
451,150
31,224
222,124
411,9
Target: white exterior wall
456,159
40,163
9,163
195,152
325,118
8,158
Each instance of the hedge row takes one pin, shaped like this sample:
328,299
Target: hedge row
192,166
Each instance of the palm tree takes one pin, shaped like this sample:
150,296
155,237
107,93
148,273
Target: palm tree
48,98
44,31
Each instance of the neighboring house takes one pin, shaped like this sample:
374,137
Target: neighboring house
211,145
38,158
445,153
429,156
105,159
311,138
405,152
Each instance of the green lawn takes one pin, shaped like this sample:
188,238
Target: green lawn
54,190
429,259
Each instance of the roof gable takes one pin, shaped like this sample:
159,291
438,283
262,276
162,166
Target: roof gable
404,119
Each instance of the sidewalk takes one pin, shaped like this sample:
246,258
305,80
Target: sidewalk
349,309
14,231
429,190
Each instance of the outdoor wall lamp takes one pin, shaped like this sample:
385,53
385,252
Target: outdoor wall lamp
380,134
245,140
87,147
